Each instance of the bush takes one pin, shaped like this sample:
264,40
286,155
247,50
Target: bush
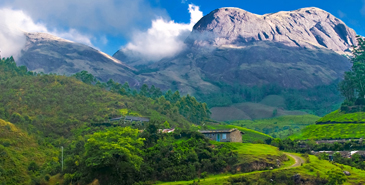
47,177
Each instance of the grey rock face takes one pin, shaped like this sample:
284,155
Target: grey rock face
306,28
50,54
347,173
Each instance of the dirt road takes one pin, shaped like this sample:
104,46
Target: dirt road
298,160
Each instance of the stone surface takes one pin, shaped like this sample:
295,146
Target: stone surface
347,173
306,28
50,54
295,49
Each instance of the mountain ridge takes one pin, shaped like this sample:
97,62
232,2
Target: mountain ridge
306,27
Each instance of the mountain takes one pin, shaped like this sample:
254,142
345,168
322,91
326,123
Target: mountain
50,54
310,28
232,56
296,49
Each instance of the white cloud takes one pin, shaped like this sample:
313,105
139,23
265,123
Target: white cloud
114,17
14,23
164,38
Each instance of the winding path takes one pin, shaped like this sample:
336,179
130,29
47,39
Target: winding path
211,180
298,160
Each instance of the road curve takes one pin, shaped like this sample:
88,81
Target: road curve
298,160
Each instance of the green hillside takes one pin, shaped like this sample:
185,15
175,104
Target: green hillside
331,131
315,172
23,159
279,127
56,105
251,111
249,136
343,117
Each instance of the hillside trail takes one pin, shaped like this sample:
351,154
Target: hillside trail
211,180
298,160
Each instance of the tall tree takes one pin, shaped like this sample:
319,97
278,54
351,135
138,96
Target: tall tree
353,85
113,156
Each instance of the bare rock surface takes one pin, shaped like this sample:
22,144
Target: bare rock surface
306,28
50,54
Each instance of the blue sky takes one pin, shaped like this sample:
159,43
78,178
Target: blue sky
111,24
352,12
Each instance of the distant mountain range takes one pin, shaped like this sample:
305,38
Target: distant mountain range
298,49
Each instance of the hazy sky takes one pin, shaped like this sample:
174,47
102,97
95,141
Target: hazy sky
155,28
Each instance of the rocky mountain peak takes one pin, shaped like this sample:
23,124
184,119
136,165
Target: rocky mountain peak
307,28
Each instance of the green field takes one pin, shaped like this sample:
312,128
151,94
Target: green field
249,136
331,131
279,127
310,170
342,117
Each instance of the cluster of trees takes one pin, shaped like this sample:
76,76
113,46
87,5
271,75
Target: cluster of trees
188,106
356,160
122,155
353,85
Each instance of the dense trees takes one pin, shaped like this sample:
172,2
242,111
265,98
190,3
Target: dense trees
187,106
318,100
118,156
353,85
113,156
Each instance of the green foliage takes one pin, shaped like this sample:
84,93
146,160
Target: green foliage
331,131
336,177
352,87
278,127
343,117
318,100
170,103
182,158
55,105
22,159
113,156
356,160
85,77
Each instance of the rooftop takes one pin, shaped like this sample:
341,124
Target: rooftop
131,118
218,131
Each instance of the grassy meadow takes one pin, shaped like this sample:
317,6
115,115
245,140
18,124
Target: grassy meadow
279,127
331,131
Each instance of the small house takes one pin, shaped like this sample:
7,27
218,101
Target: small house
232,135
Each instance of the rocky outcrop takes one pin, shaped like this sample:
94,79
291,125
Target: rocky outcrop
307,28
50,54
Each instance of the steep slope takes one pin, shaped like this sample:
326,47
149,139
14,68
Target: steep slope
17,151
50,54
